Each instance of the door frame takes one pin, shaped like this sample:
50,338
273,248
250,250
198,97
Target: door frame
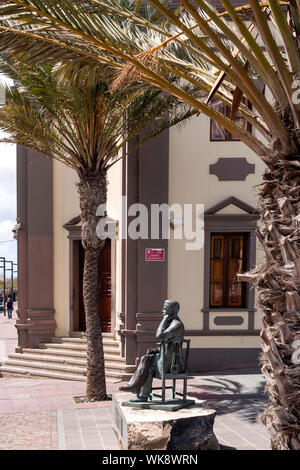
74,235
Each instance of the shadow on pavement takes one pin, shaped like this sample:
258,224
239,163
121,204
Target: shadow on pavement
228,396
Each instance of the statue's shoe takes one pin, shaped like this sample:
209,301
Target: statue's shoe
139,399
125,389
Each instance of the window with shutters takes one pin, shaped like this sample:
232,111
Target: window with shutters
228,256
218,132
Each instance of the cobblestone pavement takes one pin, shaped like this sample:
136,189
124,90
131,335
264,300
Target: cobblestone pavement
28,431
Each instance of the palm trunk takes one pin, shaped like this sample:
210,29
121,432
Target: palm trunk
92,192
278,281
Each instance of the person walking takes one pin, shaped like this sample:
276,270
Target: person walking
9,307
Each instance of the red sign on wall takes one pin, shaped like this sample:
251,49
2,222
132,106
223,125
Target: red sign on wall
155,254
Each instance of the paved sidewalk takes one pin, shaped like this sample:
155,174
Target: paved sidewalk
46,416
42,414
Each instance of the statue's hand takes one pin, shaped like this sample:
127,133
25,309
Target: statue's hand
160,336
152,351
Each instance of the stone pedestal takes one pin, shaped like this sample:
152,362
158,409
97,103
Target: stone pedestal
186,429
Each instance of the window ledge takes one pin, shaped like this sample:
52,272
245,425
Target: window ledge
208,309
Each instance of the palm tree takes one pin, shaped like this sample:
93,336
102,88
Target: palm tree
85,127
222,53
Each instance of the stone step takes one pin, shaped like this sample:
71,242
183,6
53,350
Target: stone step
48,358
65,358
22,368
74,347
110,361
56,352
72,354
57,339
82,334
6,371
83,341
43,365
79,347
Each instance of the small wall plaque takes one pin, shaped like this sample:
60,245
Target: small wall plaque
155,254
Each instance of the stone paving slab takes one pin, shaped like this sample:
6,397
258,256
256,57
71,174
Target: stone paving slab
238,398
240,436
87,429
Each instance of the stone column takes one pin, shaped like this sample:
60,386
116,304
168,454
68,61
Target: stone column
146,281
35,248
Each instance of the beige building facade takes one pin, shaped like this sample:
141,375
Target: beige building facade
192,164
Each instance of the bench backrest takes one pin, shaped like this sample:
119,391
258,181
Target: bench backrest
179,364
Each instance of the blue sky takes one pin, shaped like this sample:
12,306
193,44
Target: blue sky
8,248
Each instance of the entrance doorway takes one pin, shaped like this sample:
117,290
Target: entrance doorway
104,287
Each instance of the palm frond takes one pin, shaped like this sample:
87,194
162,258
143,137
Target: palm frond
197,43
82,123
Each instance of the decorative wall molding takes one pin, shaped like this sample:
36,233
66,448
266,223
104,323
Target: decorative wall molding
232,169
231,200
230,320
222,332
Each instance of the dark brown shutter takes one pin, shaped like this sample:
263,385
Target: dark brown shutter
217,271
228,256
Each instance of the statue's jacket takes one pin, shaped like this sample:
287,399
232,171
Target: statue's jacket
172,332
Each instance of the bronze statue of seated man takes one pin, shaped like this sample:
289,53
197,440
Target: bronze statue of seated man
171,331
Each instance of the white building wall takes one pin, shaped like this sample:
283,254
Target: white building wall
65,207
191,153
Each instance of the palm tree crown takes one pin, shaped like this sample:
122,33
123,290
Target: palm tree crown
83,125
198,45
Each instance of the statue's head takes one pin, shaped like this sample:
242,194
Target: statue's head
171,308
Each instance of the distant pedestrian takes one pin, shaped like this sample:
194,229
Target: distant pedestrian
9,307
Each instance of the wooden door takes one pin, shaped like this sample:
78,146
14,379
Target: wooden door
104,288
